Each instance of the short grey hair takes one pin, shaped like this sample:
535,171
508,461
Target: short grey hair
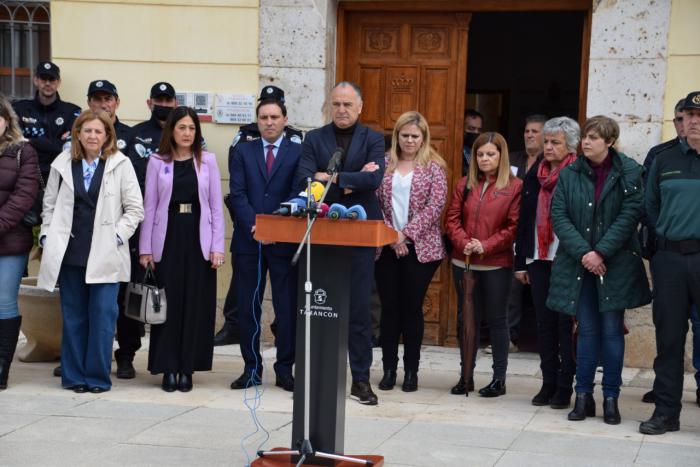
566,125
354,86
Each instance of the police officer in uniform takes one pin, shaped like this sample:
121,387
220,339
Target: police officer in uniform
102,95
228,334
46,120
145,136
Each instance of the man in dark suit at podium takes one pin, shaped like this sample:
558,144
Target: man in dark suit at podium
262,175
360,175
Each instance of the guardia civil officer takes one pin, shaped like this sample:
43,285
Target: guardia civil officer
673,213
46,120
145,136
228,334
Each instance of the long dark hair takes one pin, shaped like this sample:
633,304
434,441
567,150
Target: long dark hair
167,141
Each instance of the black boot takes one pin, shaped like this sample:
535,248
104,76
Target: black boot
583,407
544,397
611,414
410,381
9,331
561,398
462,388
494,389
388,380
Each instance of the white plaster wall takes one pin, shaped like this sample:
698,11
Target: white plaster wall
627,72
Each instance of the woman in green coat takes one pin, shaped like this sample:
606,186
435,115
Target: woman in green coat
598,271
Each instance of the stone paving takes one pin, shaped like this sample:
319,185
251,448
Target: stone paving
137,424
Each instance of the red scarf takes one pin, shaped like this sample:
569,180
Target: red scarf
548,180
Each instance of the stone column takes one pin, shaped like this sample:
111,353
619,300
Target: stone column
297,53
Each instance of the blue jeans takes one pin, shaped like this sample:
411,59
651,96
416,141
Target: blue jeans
89,319
695,323
11,270
600,338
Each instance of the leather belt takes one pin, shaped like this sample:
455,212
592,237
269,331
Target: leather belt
684,247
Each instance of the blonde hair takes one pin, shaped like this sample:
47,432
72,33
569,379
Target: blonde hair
425,154
110,145
503,174
13,132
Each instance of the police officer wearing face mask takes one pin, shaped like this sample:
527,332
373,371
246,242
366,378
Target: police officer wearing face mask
228,334
46,120
145,137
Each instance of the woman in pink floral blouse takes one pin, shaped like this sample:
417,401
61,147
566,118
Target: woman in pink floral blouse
412,196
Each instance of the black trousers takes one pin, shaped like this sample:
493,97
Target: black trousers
129,331
402,284
360,321
676,287
231,306
554,339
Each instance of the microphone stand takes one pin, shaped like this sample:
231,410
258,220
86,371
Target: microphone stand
306,449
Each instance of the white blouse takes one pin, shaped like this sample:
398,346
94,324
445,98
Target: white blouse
400,195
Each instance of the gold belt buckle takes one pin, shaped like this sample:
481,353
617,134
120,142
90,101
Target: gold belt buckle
186,208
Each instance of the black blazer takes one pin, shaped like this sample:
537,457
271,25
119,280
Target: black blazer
525,237
366,146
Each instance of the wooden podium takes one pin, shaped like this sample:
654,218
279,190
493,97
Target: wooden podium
333,243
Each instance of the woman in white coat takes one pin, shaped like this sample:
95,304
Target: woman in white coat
92,207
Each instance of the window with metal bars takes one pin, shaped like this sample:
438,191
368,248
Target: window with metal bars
25,40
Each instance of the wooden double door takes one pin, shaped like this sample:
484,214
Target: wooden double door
413,61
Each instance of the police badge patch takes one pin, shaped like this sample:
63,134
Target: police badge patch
99,84
59,121
47,66
121,144
162,87
295,139
141,151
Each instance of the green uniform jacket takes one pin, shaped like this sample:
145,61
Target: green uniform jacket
608,227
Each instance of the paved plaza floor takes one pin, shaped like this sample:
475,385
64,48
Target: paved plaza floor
137,424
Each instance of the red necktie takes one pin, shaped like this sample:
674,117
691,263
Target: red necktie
269,158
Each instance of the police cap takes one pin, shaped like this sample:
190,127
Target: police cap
48,69
692,101
163,89
102,85
272,93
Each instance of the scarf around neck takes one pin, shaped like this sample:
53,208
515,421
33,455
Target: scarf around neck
547,177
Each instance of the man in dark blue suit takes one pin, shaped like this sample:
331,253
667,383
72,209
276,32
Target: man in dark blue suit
262,176
360,175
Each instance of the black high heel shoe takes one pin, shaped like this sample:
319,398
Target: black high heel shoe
169,383
583,407
388,380
184,383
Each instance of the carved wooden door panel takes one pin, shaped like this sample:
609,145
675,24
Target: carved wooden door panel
413,61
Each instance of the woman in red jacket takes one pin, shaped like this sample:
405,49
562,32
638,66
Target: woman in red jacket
482,227
412,196
19,183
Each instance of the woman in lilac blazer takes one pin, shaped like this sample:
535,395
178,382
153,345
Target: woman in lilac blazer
412,196
182,240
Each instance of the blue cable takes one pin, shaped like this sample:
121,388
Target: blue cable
253,402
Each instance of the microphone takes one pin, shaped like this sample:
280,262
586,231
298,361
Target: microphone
290,207
323,210
316,191
337,211
335,161
356,212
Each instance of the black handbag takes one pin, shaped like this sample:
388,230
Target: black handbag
32,217
144,301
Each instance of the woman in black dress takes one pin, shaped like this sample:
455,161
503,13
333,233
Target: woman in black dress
182,239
